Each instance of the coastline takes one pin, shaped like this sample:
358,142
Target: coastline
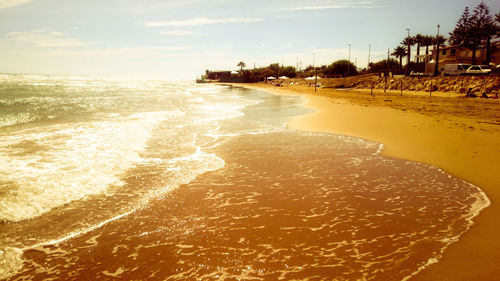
460,136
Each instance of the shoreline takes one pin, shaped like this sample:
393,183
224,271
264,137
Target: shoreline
460,141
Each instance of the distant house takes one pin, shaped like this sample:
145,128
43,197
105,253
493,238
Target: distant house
458,54
423,58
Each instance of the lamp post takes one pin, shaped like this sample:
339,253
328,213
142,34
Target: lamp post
349,64
436,63
315,72
408,57
369,50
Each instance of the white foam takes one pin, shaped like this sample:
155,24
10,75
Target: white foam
78,160
481,202
10,261
18,118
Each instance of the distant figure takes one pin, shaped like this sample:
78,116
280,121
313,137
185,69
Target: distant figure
467,94
470,94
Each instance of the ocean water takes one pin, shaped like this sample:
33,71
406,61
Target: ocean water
207,178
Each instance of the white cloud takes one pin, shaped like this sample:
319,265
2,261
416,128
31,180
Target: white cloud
200,21
4,4
140,52
328,6
320,7
176,33
45,39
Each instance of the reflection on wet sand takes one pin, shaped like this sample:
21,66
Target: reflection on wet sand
286,206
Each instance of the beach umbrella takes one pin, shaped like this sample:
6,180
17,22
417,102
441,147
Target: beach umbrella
270,78
283,77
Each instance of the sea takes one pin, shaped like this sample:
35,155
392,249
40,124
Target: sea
106,178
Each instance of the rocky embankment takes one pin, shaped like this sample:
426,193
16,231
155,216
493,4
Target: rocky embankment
475,85
459,84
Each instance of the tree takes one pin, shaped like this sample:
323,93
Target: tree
485,26
464,33
399,52
408,41
381,66
441,40
428,41
288,71
419,40
460,35
241,65
474,31
340,68
490,29
275,69
497,19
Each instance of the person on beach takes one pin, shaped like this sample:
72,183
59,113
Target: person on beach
470,94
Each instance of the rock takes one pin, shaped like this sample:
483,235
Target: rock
476,90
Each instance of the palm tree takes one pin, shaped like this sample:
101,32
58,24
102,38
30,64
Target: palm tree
428,41
408,41
399,52
441,40
241,65
419,40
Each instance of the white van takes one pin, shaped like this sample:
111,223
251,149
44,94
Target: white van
455,69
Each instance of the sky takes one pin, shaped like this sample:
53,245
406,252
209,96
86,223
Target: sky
170,39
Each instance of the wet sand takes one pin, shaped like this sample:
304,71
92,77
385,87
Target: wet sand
459,135
286,206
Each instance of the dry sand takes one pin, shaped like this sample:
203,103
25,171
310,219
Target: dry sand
459,135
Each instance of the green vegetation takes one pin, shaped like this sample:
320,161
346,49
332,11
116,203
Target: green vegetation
383,66
340,68
337,69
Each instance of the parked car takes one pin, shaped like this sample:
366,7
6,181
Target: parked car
455,69
495,70
478,69
416,74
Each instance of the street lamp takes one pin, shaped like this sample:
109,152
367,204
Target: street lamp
369,50
409,51
349,64
436,63
315,72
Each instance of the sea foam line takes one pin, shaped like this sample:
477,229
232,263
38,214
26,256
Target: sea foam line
15,254
481,203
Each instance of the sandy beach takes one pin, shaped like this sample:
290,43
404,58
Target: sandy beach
457,134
